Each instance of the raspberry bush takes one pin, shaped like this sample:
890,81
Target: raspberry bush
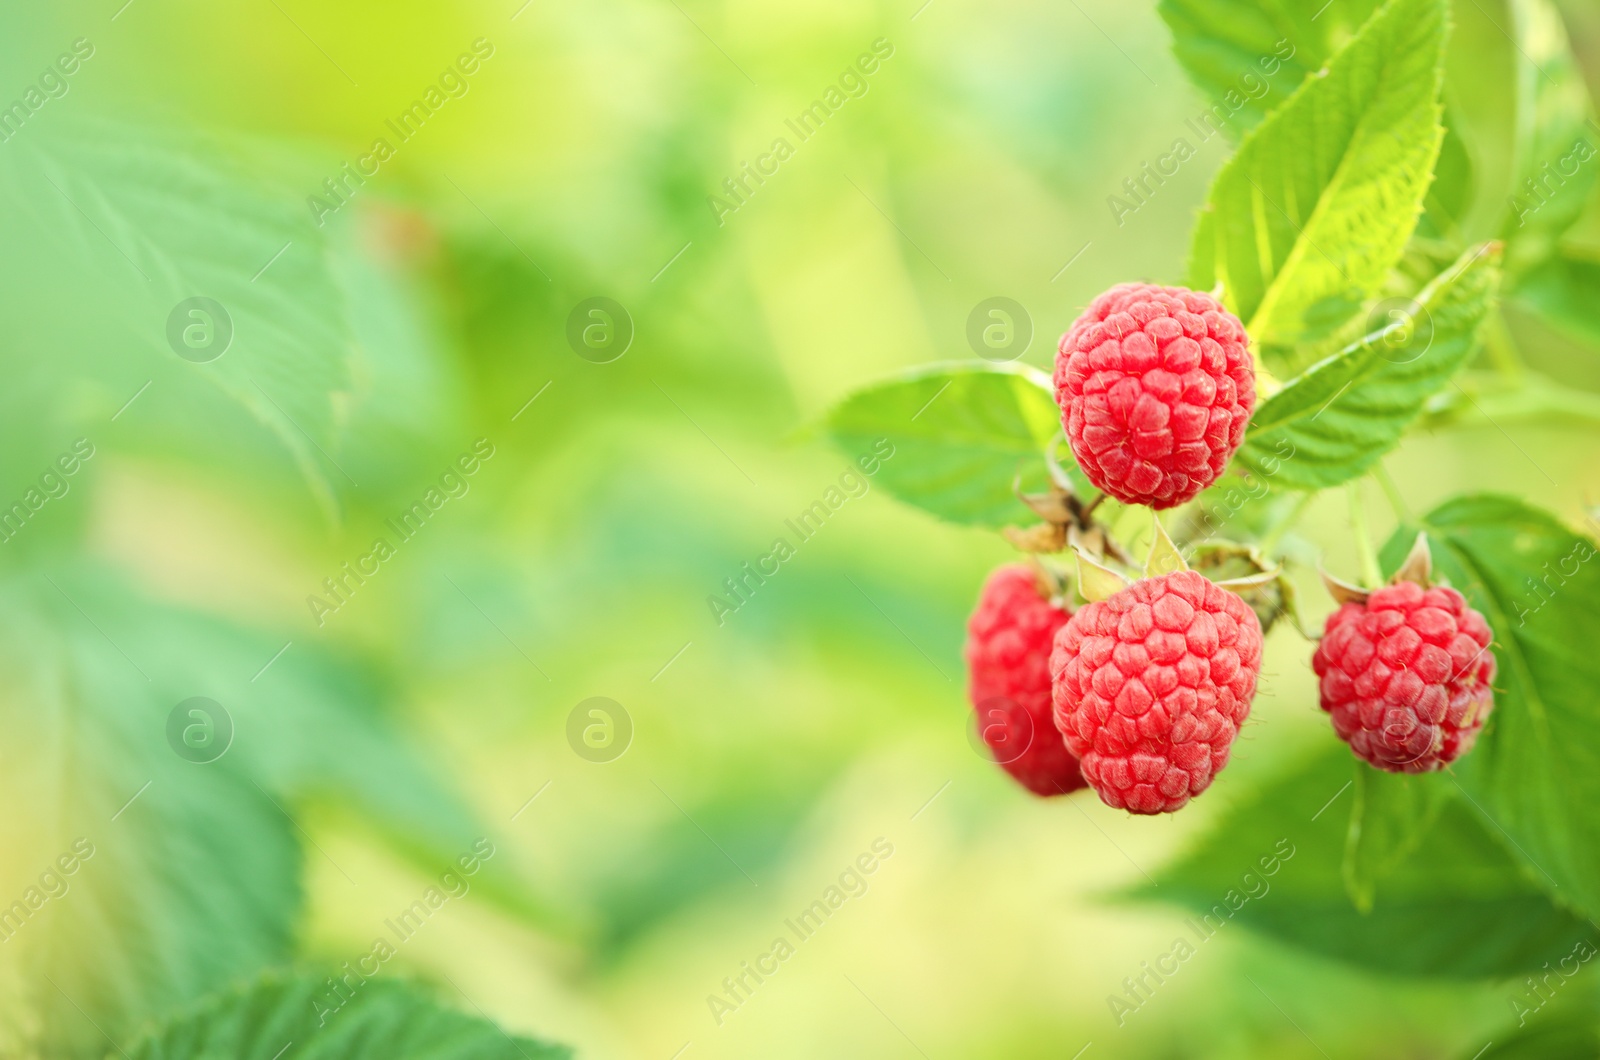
1342,294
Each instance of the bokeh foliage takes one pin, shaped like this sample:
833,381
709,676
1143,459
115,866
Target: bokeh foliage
372,350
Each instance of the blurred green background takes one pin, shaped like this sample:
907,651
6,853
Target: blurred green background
767,751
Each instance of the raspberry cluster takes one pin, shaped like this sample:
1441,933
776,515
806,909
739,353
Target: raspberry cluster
1008,649
1156,386
1151,686
1140,693
1406,676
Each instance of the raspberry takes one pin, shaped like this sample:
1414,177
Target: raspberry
1151,686
1156,387
1406,676
1008,646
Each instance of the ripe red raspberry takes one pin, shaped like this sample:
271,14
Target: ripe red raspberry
1406,676
1151,686
1008,648
1156,386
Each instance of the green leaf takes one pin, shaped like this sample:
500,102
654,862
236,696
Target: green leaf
961,435
1392,815
196,880
1304,223
182,875
1247,56
309,725
334,1018
1450,195
408,389
164,218
1459,907
312,726
1485,400
1534,776
1333,422
1554,147
1573,1034
1564,290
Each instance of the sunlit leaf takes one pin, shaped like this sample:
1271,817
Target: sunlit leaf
960,435
1246,56
1306,220
1335,420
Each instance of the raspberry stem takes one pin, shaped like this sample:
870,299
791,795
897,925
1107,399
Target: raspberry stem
1288,520
1391,492
1371,575
1502,348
